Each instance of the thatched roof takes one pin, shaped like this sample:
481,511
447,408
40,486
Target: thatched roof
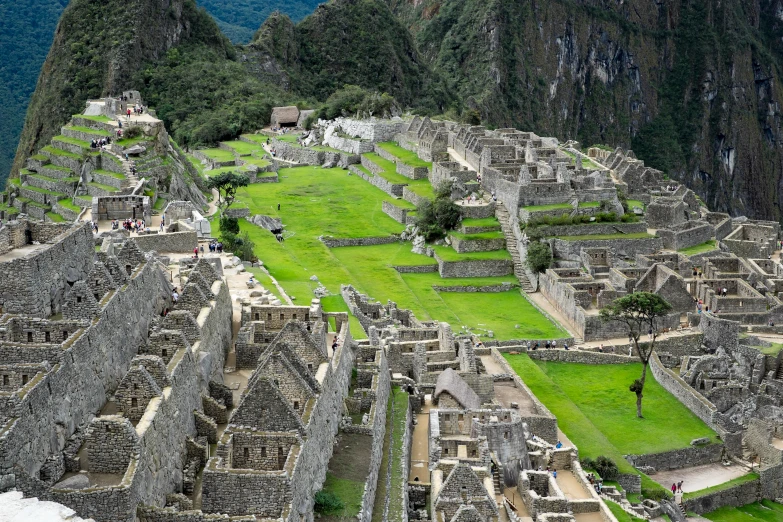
285,115
450,382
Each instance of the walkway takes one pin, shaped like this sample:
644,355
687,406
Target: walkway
456,156
699,477
571,487
420,445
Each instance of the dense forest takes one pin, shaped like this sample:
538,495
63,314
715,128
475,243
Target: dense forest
240,19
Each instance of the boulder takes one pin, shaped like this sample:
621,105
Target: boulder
79,481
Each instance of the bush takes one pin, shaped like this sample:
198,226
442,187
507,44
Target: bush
606,468
587,463
353,100
327,502
539,257
133,132
229,225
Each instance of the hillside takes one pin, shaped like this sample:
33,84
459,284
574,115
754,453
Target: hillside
692,86
240,19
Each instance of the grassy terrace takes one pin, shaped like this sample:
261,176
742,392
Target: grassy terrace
59,152
483,235
590,204
44,191
636,235
635,203
99,119
73,141
218,154
544,208
130,142
420,187
107,188
764,511
67,203
597,412
258,162
449,254
404,155
486,222
586,163
313,204
700,249
87,130
243,148
619,513
50,167
57,218
53,180
115,175
86,199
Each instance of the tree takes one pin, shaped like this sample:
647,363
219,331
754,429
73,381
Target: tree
437,217
227,184
539,257
640,312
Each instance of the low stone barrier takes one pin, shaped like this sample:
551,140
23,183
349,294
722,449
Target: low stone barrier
358,241
464,246
176,242
411,197
388,187
679,458
592,229
478,268
578,356
412,172
419,269
691,398
739,495
212,162
503,287
398,214
478,211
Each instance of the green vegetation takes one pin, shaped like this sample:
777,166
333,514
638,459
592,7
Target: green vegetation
312,204
537,225
111,174
404,155
437,217
486,222
543,208
595,410
243,148
773,349
620,514
764,511
99,118
73,141
700,249
750,477
218,154
539,257
635,203
482,235
590,204
88,130
636,235
449,254
57,218
60,152
101,186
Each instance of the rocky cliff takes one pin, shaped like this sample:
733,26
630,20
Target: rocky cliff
692,85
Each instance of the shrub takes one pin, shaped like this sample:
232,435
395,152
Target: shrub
327,502
229,225
587,463
656,494
133,132
606,467
539,257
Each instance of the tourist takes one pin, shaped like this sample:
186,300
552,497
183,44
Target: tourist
679,486
278,207
195,252
201,249
558,445
554,345
548,344
554,473
334,344
674,489
251,281
601,348
565,345
220,247
536,346
161,226
174,296
630,350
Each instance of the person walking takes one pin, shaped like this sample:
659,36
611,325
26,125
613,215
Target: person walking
674,489
195,252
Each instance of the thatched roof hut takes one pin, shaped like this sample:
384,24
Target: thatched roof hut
285,116
451,384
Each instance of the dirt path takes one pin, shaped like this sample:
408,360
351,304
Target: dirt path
699,477
420,445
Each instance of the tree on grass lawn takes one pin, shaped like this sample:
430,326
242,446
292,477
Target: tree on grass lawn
437,217
640,312
227,184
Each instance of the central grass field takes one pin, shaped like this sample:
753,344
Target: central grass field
597,412
332,202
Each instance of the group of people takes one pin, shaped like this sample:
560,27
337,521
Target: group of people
215,246
137,110
98,143
131,225
598,485
671,188
677,487
549,345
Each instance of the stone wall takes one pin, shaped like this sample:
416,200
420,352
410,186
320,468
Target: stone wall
621,248
477,268
358,241
398,214
740,495
464,246
36,284
175,242
378,413
578,356
679,458
373,130
692,399
592,229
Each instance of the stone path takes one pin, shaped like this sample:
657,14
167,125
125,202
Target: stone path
699,477
420,445
456,156
570,486
511,245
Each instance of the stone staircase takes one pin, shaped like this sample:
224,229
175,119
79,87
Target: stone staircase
511,244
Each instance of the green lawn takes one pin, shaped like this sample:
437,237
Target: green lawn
87,130
636,235
597,412
449,254
590,204
404,155
700,249
390,169
314,202
349,491
288,138
764,511
635,203
542,208
218,154
107,188
486,222
258,138
774,349
115,175
243,148
100,119
67,203
73,141
60,152
130,142
57,218
258,162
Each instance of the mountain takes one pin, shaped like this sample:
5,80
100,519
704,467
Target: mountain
26,30
240,19
692,85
